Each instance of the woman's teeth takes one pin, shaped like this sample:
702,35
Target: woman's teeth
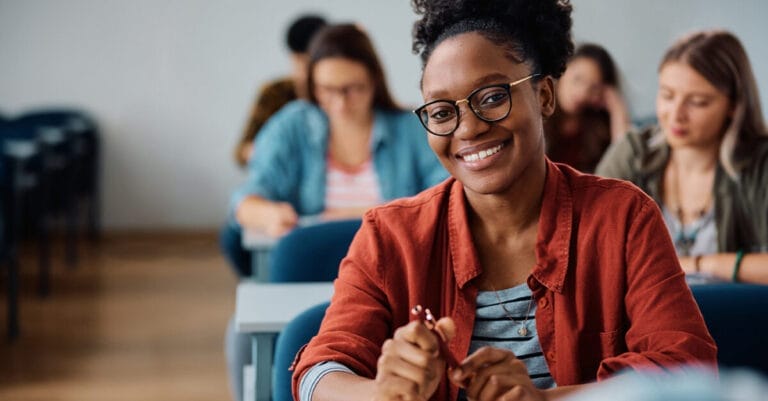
482,154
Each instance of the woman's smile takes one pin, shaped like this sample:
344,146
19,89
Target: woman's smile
481,156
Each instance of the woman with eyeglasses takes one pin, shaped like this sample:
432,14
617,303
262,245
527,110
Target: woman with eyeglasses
706,164
347,149
537,279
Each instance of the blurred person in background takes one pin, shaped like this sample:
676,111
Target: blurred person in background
271,98
590,112
348,148
706,162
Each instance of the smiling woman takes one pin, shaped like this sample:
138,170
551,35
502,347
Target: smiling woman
507,249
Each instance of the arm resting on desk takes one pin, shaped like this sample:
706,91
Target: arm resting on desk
752,270
275,218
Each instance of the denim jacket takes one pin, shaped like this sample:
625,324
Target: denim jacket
289,163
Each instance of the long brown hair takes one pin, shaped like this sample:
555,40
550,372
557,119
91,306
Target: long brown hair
349,42
721,59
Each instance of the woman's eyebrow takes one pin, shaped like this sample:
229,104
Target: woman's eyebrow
485,79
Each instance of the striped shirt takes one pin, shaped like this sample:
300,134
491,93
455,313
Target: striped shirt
351,187
499,328
492,328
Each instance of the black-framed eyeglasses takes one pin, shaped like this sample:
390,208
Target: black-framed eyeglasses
489,103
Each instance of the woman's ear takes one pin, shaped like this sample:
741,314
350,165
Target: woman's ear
546,94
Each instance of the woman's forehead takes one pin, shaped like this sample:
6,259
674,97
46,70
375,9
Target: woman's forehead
466,61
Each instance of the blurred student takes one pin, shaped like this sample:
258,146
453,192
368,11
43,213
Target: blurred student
347,149
706,163
274,95
590,112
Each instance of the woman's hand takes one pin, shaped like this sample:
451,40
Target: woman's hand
410,366
274,218
280,219
495,374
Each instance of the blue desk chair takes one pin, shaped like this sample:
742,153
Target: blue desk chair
294,336
82,147
311,253
735,315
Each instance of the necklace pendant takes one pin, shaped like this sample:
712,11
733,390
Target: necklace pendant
523,331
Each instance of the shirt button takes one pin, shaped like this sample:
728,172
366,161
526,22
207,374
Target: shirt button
543,303
551,355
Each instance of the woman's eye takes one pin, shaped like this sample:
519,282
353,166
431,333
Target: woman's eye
665,95
493,98
699,102
441,114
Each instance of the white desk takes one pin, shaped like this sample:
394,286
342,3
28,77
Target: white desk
262,310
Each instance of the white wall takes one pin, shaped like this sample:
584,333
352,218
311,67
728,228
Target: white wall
171,81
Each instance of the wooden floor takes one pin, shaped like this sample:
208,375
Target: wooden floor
142,317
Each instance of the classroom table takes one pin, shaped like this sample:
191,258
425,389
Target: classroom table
262,310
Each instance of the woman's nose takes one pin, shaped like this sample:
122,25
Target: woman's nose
470,125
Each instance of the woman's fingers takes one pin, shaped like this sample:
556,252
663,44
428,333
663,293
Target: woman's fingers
447,328
417,334
483,357
391,387
491,372
411,356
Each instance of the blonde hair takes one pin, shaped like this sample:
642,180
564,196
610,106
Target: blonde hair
720,58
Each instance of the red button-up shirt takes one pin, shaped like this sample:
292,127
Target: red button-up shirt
610,291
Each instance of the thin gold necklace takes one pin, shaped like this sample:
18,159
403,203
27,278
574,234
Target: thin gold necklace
523,330
678,205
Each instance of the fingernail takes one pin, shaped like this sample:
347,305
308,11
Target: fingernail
457,373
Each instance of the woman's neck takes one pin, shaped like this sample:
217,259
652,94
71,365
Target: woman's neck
694,160
513,212
349,141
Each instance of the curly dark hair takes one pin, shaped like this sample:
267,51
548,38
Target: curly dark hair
535,31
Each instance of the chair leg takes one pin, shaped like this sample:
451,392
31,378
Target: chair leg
71,235
44,258
13,298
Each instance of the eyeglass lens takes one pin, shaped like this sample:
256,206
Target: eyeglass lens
489,104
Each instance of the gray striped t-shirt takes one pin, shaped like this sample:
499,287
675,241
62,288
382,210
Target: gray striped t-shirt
499,328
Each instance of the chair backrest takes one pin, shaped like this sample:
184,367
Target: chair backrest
736,317
312,253
294,335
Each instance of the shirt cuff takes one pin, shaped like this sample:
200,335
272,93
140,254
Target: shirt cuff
314,374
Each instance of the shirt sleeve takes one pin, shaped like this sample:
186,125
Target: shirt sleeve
314,374
619,159
666,327
273,169
358,319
